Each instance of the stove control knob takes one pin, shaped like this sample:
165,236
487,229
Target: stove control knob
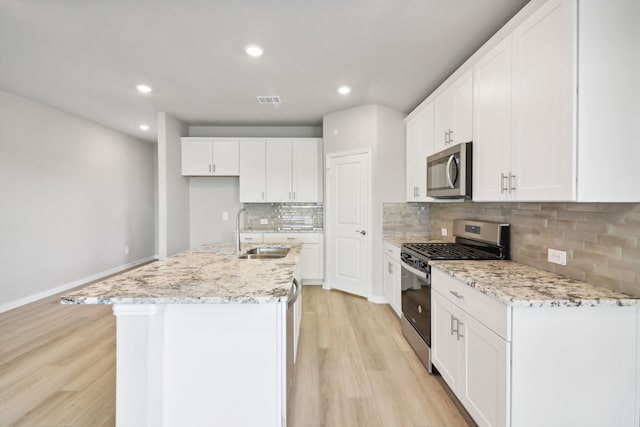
419,309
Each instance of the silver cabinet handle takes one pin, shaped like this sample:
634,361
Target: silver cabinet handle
263,195
512,187
503,187
446,136
390,268
452,329
209,168
247,238
458,330
291,238
294,195
450,136
457,295
214,168
361,232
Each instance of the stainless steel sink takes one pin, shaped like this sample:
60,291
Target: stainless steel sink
265,252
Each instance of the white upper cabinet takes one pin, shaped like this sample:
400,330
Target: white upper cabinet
454,113
307,171
419,145
210,157
554,105
277,170
544,90
572,122
252,171
492,116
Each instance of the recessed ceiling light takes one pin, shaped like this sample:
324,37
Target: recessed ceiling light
344,90
144,127
254,50
144,88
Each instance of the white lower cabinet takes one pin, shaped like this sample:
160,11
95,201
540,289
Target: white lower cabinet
393,277
311,263
536,366
472,360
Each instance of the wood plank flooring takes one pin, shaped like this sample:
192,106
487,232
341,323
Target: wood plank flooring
355,368
57,367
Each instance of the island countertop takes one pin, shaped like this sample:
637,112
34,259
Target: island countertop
520,285
209,274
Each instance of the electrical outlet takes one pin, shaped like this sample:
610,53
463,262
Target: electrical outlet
225,216
557,257
264,221
126,250
444,231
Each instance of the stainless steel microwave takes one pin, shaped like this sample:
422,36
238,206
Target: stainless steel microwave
449,173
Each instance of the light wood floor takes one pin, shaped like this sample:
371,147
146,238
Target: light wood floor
57,367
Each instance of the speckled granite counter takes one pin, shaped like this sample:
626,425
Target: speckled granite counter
209,274
520,285
399,239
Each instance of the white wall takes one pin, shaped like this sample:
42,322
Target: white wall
73,194
258,131
382,130
173,188
208,199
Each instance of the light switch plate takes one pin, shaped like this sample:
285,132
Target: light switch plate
225,216
444,231
557,257
264,221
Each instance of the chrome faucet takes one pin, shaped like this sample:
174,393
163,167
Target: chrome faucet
238,230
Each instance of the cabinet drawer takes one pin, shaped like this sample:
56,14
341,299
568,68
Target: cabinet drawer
392,250
292,237
491,313
251,237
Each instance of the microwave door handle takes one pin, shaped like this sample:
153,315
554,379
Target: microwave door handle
452,181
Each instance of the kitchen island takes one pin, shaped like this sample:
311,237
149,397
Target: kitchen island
201,338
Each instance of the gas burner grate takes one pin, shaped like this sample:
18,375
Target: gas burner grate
453,251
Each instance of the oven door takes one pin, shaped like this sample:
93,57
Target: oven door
416,301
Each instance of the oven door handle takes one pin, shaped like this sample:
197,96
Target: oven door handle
414,271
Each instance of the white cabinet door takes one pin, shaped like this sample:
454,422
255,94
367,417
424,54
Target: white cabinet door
445,347
393,284
492,118
443,119
419,145
252,171
485,376
278,167
309,268
453,113
226,161
544,94
197,157
462,130
306,170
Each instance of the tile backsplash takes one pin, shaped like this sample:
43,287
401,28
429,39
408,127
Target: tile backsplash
405,218
284,216
602,240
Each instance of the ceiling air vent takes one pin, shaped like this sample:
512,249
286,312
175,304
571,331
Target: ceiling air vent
273,100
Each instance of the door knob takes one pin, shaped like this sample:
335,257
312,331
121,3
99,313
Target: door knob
361,232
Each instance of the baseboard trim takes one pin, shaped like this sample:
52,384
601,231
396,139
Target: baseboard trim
378,299
40,295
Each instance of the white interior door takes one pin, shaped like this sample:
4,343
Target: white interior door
347,208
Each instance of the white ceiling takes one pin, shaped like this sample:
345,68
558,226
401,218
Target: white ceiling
86,56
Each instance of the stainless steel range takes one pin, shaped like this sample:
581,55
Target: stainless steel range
474,240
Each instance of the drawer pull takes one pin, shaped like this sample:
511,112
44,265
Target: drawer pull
291,238
457,295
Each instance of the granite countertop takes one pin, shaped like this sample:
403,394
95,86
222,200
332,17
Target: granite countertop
209,274
520,285
399,239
